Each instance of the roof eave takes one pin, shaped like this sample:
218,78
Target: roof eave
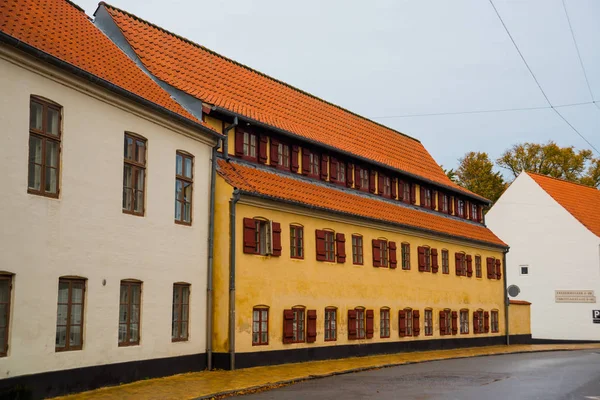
57,62
404,226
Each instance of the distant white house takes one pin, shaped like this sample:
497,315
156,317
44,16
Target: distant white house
553,229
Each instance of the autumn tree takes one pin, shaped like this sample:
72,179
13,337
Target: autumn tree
550,159
476,173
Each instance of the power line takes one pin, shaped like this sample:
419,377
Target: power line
536,81
579,54
481,111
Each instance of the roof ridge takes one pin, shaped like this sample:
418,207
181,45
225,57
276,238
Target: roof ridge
563,180
252,69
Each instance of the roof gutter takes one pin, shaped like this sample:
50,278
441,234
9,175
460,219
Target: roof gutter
57,62
232,247
331,148
328,210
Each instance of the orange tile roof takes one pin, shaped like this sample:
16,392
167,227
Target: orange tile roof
582,202
232,86
262,181
62,30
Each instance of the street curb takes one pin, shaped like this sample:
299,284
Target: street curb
268,386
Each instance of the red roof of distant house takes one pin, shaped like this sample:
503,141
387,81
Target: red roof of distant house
261,181
64,31
582,202
232,86
520,302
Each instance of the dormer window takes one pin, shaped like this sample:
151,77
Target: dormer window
283,156
364,179
341,173
249,145
474,212
387,186
313,164
425,197
460,208
406,192
444,203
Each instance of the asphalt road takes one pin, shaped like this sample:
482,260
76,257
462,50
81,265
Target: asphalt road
543,376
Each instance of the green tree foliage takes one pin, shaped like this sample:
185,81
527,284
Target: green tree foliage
475,172
550,159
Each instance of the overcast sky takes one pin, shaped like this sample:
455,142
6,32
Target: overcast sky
397,58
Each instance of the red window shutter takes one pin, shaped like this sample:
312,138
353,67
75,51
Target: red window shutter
422,196
262,148
305,161
456,206
369,324
274,152
490,267
457,263
413,193
276,239
416,323
475,322
401,191
402,323
249,236
434,261
486,321
323,169
467,209
498,269
380,183
372,177
351,324
433,199
392,254
340,244
239,143
333,169
376,253
311,326
294,160
394,188
469,266
349,175
421,252
440,201
288,326
442,323
320,245
454,322
357,177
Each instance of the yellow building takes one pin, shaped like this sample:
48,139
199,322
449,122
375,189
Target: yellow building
333,235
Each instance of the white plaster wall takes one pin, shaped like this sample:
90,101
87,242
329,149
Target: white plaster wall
561,254
85,232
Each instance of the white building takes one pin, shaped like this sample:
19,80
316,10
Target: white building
103,264
553,228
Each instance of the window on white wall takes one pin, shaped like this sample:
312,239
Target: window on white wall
524,269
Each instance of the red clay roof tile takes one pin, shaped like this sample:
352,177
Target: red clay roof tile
63,30
225,83
582,202
278,186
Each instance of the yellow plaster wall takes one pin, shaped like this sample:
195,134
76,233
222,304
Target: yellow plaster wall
519,319
282,282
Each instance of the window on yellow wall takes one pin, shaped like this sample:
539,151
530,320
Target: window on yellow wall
360,323
260,326
406,256
330,324
408,328
494,321
478,266
464,321
384,322
296,241
357,249
428,322
298,327
445,262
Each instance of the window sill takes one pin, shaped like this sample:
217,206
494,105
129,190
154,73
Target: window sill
260,344
182,223
129,344
296,258
42,194
135,214
60,350
179,340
